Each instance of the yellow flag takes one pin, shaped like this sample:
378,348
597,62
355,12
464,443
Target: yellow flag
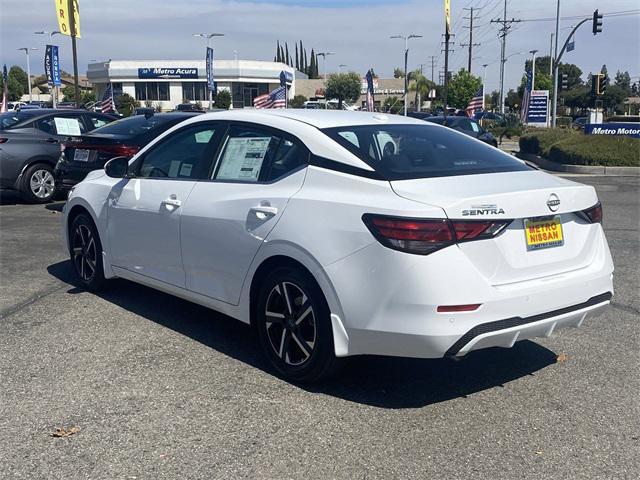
64,20
447,15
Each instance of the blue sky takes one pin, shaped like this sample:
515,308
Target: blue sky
357,30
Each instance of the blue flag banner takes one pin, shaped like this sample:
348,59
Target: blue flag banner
48,63
211,83
370,97
55,66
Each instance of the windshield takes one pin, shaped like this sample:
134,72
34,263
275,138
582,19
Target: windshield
136,125
402,152
12,118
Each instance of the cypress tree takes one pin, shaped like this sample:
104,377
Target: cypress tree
311,65
286,54
278,59
297,59
281,54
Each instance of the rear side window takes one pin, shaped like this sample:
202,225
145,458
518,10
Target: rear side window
253,155
61,125
402,152
96,122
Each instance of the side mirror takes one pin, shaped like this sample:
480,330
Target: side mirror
117,167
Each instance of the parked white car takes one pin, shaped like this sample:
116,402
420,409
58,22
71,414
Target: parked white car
303,224
328,105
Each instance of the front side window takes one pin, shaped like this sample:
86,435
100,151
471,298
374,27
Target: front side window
186,154
252,155
400,152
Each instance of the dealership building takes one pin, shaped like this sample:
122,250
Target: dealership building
167,83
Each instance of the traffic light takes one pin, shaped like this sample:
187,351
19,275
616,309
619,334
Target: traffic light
565,82
604,83
597,22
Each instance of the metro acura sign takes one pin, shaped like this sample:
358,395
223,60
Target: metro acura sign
160,72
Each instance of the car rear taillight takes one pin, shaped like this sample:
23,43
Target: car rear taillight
594,214
424,236
3,140
117,150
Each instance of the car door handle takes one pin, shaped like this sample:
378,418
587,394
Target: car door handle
264,211
172,201
51,140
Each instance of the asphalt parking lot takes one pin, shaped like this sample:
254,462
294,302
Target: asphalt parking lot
161,388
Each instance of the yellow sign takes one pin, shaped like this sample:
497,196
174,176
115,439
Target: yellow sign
543,233
447,15
64,20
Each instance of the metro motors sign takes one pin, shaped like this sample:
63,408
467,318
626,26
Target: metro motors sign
628,129
184,72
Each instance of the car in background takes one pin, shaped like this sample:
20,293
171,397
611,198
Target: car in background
328,105
188,107
30,147
485,118
13,106
580,122
122,138
468,126
419,115
144,111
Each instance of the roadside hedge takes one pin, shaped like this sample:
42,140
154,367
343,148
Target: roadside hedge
576,148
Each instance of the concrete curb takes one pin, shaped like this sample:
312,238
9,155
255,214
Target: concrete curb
583,169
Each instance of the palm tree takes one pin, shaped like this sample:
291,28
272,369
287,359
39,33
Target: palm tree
421,85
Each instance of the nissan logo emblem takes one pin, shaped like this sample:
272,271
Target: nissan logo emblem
553,203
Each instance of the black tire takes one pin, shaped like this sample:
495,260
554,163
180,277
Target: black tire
300,344
38,184
85,250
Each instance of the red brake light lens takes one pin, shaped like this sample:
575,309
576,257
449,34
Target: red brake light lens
594,214
424,236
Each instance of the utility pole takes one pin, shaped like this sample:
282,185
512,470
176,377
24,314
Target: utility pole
504,30
470,44
433,64
445,94
551,57
74,50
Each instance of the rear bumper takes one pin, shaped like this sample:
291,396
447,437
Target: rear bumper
67,175
389,302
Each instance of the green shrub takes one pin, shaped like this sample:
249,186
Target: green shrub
538,141
597,150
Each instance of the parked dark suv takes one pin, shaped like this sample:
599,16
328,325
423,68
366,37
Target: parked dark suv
30,147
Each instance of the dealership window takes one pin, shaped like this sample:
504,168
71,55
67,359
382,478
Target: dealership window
152,91
244,93
194,91
117,89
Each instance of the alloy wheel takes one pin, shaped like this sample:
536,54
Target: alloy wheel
42,184
290,323
85,254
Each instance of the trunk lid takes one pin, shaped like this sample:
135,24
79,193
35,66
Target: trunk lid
518,196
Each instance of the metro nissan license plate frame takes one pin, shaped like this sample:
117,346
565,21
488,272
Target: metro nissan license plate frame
541,233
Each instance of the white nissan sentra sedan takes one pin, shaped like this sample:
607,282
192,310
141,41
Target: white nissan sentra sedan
344,233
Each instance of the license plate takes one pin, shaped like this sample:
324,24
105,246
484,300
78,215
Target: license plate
543,233
81,155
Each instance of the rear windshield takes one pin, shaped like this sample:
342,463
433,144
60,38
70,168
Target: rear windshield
403,152
138,124
10,119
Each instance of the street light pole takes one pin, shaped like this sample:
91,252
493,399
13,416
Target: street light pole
26,51
54,89
324,61
406,61
555,70
484,82
533,68
209,36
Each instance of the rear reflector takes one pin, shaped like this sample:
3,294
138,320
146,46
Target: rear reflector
424,236
458,308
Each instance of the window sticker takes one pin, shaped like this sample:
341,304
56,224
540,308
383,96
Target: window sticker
174,167
204,136
243,158
185,170
67,126
474,127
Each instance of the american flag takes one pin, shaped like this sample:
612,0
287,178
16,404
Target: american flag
524,110
275,99
107,104
476,103
5,89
